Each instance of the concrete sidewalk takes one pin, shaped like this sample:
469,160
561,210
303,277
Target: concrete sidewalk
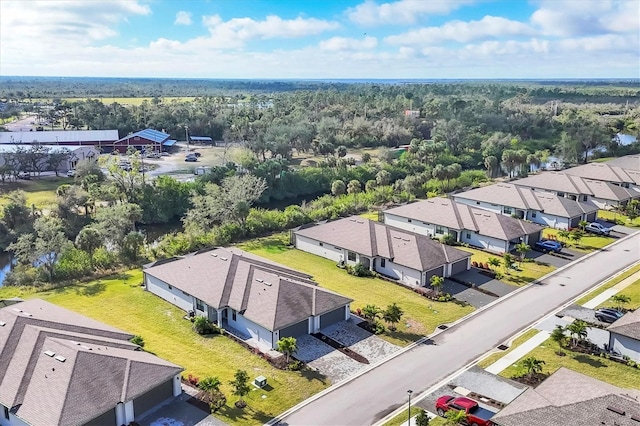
606,295
518,352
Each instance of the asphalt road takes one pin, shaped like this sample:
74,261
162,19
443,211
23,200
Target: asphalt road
380,391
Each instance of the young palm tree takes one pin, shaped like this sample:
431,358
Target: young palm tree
392,315
287,345
582,224
495,262
522,249
436,282
578,330
371,313
532,366
620,300
564,235
576,235
454,417
558,336
508,261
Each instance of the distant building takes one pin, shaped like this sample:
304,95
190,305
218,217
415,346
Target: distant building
103,139
76,154
155,139
412,113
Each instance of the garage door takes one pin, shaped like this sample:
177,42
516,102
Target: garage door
332,317
439,271
108,418
295,330
591,217
575,222
155,396
459,266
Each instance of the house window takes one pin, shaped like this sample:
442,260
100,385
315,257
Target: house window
560,194
185,293
234,315
170,288
468,235
199,305
409,220
383,262
585,197
351,256
533,214
478,202
321,245
507,210
6,413
440,230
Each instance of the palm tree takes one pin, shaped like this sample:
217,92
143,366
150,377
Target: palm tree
564,235
209,384
287,345
582,224
558,336
495,262
578,330
436,282
576,235
522,249
620,300
532,366
455,417
508,261
491,164
392,315
371,313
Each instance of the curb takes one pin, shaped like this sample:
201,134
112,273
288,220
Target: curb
437,332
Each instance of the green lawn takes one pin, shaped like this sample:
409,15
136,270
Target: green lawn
612,216
633,292
401,418
615,280
600,368
529,271
421,317
371,215
516,342
41,192
122,303
588,243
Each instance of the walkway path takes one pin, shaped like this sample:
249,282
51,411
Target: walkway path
606,295
518,352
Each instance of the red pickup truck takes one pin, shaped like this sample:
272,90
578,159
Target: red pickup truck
476,415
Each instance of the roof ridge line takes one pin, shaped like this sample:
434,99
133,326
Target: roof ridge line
388,234
473,219
125,382
373,239
454,205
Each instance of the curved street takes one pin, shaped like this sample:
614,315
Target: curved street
373,395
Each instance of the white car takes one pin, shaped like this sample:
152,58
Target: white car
597,228
71,173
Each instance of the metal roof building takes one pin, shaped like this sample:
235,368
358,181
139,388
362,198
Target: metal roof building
142,139
61,137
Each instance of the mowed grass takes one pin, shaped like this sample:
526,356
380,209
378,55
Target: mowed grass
632,292
401,418
421,316
121,302
371,215
613,281
612,216
588,243
599,368
40,192
529,271
516,342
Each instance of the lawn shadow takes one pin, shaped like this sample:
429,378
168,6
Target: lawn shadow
92,289
583,359
235,414
404,336
311,375
520,280
269,245
121,276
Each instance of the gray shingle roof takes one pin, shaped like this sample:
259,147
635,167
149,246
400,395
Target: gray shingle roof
371,238
563,182
605,172
519,197
101,366
446,212
628,325
567,398
628,162
266,293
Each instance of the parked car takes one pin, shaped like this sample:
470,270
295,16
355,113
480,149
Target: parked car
476,415
547,246
190,159
71,173
597,228
24,175
608,315
197,154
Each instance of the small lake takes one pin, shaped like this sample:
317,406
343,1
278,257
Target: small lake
6,263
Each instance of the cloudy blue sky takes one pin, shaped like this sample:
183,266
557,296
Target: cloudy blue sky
362,39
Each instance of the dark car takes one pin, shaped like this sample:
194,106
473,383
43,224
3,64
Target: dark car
608,315
190,159
546,246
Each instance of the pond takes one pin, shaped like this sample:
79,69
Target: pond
6,263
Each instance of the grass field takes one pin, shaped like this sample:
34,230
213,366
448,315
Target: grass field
612,216
529,271
608,285
126,101
633,292
593,366
401,419
122,303
516,342
371,215
588,243
41,192
421,316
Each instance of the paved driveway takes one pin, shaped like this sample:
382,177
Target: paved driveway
180,413
332,363
567,256
497,287
472,296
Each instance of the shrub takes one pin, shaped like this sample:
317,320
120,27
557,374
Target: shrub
499,275
378,328
295,365
193,380
448,239
444,297
217,400
138,340
474,264
202,325
73,263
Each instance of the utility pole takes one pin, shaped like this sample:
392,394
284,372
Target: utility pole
186,132
409,392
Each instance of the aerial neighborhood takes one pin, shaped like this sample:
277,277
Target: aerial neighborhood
208,251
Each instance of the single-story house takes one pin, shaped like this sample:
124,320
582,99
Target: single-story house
480,228
627,178
98,138
624,335
629,162
603,194
540,207
404,256
58,367
144,138
568,398
251,295
11,154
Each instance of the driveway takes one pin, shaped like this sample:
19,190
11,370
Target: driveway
558,260
619,231
179,413
595,335
475,277
463,293
332,363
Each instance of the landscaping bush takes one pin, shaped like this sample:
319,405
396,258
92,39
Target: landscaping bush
138,340
73,263
358,270
295,365
193,380
202,325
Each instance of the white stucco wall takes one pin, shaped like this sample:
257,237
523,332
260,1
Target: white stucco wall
482,241
625,346
13,420
325,250
171,295
401,273
414,226
263,336
549,220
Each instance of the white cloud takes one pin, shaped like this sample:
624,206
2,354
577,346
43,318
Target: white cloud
183,18
348,44
462,32
371,13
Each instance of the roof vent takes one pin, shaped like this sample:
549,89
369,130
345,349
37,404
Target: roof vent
616,410
49,353
60,358
17,310
406,239
266,283
2,323
396,237
85,347
214,254
224,258
260,280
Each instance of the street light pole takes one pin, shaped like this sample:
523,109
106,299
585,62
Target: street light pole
409,392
